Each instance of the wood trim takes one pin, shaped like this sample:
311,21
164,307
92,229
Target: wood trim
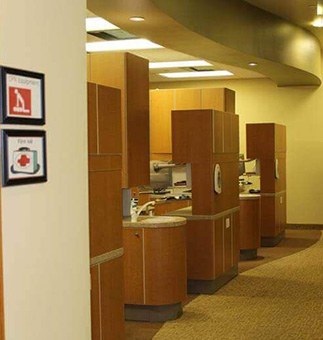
111,255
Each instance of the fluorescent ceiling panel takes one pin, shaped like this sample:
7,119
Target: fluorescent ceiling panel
318,22
218,73
319,7
121,45
187,63
98,24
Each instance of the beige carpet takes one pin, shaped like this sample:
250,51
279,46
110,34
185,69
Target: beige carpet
282,299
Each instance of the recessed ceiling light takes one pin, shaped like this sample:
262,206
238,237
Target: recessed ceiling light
121,45
187,63
98,24
252,64
137,18
198,74
318,22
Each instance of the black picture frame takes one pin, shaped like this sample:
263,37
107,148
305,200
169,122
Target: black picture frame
9,138
20,119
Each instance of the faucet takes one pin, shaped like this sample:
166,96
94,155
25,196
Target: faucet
135,213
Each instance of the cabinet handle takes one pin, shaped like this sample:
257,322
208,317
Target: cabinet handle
136,234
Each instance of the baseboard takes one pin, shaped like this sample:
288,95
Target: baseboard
211,286
153,313
248,254
304,226
272,241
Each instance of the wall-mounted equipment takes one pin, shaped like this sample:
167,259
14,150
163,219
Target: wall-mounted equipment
217,179
276,169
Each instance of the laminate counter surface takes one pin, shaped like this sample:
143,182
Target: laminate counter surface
155,222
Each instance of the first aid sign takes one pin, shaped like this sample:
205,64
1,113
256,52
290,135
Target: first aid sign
22,97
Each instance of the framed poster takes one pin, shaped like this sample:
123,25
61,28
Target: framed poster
22,97
23,157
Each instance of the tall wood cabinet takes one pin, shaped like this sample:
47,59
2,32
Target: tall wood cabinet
207,139
267,142
105,212
162,102
130,74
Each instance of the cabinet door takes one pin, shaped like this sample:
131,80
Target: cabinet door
95,303
268,216
112,299
231,133
105,217
221,99
161,106
218,248
137,122
107,315
200,250
165,265
109,120
228,242
187,99
280,206
236,236
133,265
280,138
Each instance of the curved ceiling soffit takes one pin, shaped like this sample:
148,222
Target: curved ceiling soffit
227,31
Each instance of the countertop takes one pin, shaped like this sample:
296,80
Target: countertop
187,213
247,196
155,222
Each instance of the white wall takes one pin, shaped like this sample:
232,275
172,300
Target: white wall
301,110
45,226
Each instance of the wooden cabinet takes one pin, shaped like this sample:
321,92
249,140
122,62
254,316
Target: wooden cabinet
162,102
267,142
208,139
105,212
154,270
250,224
212,252
107,301
195,141
130,74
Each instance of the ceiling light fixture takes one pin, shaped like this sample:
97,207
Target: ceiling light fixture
98,24
318,22
252,64
121,45
172,64
137,18
198,74
319,9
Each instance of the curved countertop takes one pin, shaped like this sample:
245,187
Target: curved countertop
154,222
248,196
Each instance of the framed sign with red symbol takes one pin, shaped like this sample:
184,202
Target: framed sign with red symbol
23,157
22,97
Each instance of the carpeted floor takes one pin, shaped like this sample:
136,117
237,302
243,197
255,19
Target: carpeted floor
282,299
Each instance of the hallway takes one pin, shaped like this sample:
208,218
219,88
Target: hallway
278,296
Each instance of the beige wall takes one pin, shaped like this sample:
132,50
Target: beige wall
45,226
301,110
